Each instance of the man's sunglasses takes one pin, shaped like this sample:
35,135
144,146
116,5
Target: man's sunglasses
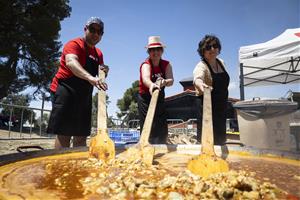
95,30
208,47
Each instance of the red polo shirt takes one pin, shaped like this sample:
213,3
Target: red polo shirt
75,46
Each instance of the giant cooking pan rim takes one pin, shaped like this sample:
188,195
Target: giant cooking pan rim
223,151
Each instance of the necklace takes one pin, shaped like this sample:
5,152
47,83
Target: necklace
215,66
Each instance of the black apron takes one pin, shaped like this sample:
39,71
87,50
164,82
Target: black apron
219,96
72,105
159,130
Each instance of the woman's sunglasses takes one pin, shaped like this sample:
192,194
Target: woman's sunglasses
208,47
95,30
155,49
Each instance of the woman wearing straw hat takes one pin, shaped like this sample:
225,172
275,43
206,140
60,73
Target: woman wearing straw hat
153,70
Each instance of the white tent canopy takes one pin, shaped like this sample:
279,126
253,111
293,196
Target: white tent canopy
272,62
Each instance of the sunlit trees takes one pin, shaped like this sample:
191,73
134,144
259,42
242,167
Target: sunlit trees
29,48
128,104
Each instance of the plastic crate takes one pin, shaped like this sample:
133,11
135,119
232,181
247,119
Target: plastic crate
124,136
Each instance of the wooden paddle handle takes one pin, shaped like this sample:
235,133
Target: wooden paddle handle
207,139
144,140
101,115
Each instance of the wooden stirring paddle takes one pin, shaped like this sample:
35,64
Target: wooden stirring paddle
143,149
207,162
101,146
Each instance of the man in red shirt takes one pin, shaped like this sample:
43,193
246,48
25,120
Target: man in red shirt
72,86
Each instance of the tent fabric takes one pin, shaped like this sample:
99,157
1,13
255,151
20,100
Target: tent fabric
272,62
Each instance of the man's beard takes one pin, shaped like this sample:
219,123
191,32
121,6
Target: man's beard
91,42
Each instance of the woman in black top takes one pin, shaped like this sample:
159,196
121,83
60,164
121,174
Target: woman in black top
210,71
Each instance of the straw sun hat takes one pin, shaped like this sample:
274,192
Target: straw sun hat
154,42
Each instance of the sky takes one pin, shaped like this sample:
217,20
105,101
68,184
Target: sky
181,24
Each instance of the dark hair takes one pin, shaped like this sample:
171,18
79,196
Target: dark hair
206,41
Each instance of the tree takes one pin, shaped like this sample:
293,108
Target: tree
20,100
128,104
44,122
111,122
29,49
95,109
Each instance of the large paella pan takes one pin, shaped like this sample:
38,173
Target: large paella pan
69,174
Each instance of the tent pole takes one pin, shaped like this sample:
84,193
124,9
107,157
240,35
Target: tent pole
242,92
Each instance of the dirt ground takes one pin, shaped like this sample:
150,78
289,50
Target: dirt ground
10,141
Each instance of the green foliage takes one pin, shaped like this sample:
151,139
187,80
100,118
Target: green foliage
29,48
128,104
110,122
20,100
95,109
42,122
